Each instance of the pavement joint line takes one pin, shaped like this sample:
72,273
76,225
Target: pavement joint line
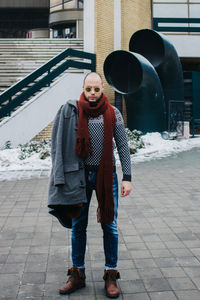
159,239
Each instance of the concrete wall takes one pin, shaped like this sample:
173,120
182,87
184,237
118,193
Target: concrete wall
31,118
39,33
65,15
89,25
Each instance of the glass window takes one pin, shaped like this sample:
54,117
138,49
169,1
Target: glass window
80,4
55,8
67,3
73,3
67,31
55,33
194,11
70,4
170,11
170,1
55,2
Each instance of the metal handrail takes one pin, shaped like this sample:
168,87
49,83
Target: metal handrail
11,100
156,26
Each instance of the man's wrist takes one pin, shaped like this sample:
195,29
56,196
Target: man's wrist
126,177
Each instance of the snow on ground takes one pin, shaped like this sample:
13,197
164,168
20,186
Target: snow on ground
156,147
11,167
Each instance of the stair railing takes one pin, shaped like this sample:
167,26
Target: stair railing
28,86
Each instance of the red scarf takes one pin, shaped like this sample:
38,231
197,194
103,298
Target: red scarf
84,148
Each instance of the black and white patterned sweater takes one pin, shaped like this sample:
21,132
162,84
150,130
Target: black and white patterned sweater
96,130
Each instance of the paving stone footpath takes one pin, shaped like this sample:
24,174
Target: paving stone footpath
159,237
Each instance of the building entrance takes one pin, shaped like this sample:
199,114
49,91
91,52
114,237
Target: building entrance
67,31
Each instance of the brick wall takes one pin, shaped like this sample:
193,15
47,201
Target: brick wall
104,38
136,14
44,134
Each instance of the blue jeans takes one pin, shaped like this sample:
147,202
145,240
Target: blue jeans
79,228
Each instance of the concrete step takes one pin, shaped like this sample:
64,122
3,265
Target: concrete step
40,41
4,56
27,63
19,68
12,68
20,57
14,71
41,44
33,52
6,76
8,80
38,50
22,63
25,55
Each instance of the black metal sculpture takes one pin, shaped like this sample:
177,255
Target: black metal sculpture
163,56
148,92
133,75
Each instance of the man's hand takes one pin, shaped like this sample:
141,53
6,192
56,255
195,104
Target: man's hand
125,188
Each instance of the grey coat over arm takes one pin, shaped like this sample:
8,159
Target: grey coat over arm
67,180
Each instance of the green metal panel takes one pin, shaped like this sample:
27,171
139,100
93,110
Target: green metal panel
157,27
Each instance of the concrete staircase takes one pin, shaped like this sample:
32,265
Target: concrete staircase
36,114
19,57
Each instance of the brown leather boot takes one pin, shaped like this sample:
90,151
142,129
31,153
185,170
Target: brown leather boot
75,281
110,277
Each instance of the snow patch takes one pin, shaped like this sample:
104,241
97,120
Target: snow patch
11,167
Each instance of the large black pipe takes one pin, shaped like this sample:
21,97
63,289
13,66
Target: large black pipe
133,75
163,56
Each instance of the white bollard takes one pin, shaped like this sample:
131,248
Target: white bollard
183,130
186,129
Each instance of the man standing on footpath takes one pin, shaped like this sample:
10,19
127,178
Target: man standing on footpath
91,145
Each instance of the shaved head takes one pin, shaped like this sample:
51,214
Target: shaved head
93,76
93,86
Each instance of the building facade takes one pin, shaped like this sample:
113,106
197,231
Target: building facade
108,26
18,17
66,18
179,21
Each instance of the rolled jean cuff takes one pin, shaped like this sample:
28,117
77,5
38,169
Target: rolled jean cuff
79,267
110,268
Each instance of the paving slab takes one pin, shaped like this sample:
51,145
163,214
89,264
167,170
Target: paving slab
159,237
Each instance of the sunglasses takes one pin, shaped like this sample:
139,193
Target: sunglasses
96,89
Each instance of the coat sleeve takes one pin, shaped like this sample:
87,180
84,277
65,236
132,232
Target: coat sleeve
57,148
122,146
